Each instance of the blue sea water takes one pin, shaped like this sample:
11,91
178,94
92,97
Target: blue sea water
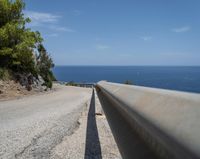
174,78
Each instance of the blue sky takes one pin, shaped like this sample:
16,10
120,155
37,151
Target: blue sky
118,32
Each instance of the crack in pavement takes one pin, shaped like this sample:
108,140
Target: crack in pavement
42,144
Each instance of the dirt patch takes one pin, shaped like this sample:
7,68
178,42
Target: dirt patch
12,90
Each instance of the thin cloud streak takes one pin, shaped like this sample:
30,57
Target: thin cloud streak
181,29
62,29
76,12
53,35
146,38
40,18
102,47
46,20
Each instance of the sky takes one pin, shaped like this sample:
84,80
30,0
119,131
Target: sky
118,32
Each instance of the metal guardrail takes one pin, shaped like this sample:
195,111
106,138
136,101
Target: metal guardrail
168,121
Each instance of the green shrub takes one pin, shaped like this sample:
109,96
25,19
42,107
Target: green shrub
71,83
128,82
48,84
44,65
5,74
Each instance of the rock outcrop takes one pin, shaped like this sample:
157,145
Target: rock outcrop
22,85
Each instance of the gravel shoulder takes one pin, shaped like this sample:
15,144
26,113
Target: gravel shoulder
93,138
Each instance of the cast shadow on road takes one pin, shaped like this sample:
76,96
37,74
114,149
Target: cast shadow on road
92,147
130,145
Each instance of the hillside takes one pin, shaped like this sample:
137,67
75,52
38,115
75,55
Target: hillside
23,57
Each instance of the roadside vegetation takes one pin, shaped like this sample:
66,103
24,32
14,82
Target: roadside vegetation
21,49
129,82
71,83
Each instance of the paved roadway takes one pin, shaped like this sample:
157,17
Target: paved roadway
32,126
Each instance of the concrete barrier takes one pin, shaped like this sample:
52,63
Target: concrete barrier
168,121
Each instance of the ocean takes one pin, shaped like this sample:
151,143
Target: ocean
173,78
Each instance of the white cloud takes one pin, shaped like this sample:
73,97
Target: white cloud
146,38
40,18
58,28
76,12
46,20
102,47
52,35
181,29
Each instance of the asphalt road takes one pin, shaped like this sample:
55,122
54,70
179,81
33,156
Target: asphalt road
31,127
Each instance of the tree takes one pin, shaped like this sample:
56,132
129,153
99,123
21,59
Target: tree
44,64
18,43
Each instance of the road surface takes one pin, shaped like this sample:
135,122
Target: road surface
32,126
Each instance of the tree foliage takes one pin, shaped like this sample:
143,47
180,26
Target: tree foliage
18,44
44,65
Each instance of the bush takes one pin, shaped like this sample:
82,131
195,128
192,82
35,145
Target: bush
71,83
5,74
48,84
128,82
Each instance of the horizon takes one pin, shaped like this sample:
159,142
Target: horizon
129,65
161,33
